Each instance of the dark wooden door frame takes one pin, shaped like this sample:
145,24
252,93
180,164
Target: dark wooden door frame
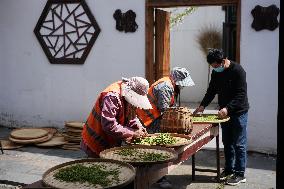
149,24
162,43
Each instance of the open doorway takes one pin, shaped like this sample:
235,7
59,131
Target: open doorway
159,50
157,33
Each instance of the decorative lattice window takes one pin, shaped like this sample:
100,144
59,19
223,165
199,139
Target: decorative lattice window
66,30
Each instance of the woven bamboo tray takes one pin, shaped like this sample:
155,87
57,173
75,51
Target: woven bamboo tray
28,133
74,131
127,174
72,134
111,153
31,141
9,145
74,124
218,120
182,139
72,138
51,130
54,141
71,146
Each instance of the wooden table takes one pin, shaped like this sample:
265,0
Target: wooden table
201,135
146,175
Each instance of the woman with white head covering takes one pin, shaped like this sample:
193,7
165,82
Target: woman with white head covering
162,95
107,125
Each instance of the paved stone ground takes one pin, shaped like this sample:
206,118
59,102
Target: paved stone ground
260,173
27,164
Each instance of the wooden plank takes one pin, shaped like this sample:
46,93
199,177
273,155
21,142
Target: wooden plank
193,149
162,43
149,34
176,3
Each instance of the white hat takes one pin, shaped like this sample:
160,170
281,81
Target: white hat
181,77
135,90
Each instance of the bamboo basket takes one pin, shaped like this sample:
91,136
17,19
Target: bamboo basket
177,120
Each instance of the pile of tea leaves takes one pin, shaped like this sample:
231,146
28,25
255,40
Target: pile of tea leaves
95,174
140,155
161,139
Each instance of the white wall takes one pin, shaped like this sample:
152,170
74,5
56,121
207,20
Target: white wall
185,50
34,92
259,57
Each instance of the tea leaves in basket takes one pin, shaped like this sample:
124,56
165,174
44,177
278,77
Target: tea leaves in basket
161,139
135,154
95,174
204,118
146,156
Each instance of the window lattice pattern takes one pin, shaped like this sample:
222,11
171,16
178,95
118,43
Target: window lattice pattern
67,30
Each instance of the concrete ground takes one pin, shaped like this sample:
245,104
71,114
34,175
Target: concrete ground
27,164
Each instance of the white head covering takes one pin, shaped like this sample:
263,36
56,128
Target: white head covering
181,77
135,90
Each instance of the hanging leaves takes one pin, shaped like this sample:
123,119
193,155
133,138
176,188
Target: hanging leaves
177,18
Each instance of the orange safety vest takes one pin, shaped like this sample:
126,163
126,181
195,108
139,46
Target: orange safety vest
93,134
148,116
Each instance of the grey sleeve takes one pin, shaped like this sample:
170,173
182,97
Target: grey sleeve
163,93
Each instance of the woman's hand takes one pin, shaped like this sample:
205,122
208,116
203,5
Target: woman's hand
140,133
140,130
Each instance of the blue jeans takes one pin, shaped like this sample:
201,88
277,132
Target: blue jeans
234,138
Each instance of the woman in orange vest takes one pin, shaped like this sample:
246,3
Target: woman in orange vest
162,95
108,124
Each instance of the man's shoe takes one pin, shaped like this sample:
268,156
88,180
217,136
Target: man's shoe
235,180
164,183
225,175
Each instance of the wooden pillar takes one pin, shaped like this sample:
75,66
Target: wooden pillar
149,66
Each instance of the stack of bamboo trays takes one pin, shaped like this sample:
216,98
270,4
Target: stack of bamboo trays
41,137
29,135
73,130
56,140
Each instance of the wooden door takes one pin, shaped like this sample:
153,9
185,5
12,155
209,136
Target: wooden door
162,44
229,40
152,5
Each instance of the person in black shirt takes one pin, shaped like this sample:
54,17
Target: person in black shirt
228,80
